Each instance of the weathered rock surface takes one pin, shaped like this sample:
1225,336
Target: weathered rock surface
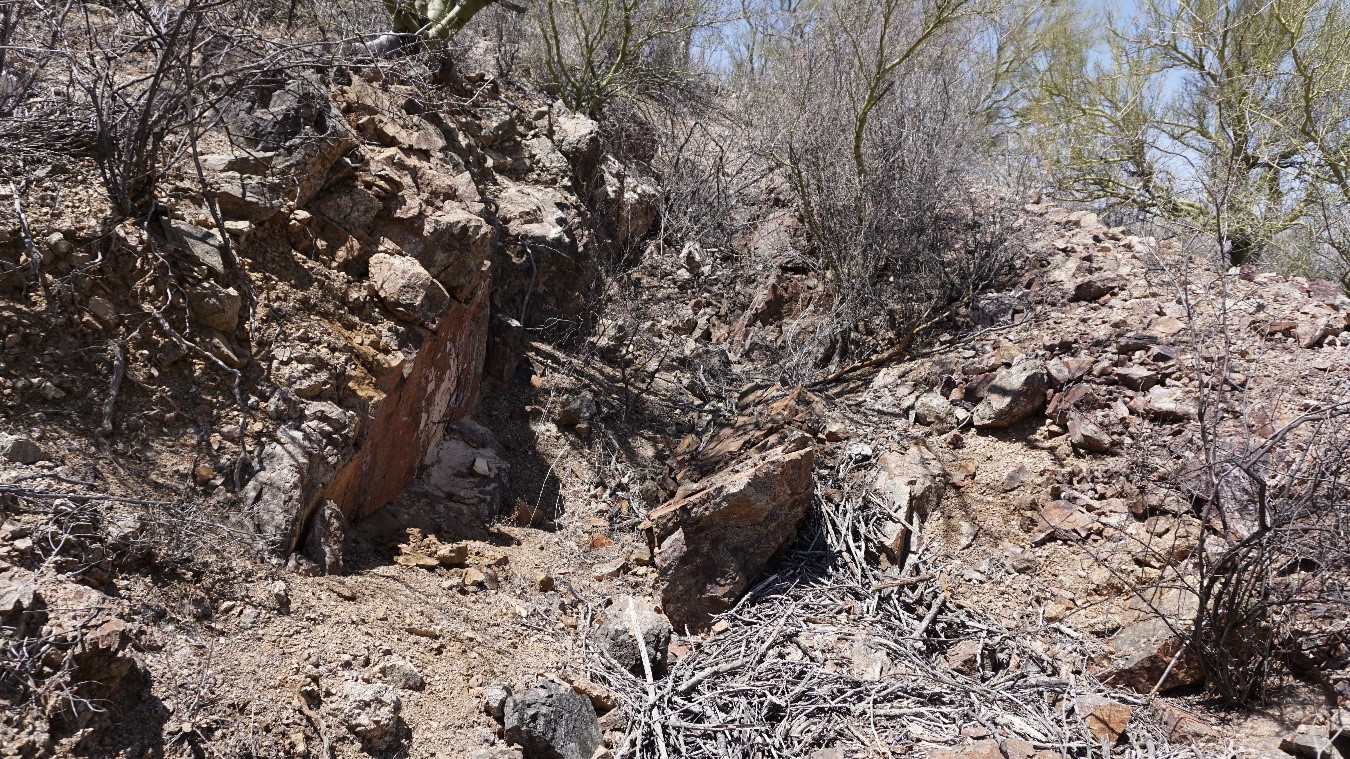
552,721
912,485
371,712
21,450
717,540
617,639
1153,634
407,288
1016,393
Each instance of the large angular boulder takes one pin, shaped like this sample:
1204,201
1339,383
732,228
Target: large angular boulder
552,721
717,540
1018,391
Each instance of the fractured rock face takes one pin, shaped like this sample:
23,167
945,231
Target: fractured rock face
552,721
1016,393
407,289
465,470
716,540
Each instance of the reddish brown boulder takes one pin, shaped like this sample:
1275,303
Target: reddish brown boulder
717,540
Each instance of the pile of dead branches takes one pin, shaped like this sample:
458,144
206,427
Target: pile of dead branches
831,652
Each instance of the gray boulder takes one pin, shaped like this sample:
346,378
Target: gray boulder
1018,392
371,712
21,450
552,721
616,636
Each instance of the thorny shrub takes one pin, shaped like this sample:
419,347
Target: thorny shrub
1272,492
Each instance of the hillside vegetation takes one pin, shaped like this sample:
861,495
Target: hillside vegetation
587,379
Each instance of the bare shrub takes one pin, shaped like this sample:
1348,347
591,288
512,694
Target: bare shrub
882,146
1269,570
595,52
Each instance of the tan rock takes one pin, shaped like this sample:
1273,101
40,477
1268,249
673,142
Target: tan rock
1017,392
406,288
912,486
1105,719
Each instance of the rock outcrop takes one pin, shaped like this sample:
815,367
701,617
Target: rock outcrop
428,238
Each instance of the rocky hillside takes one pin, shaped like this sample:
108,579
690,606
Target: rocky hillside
354,451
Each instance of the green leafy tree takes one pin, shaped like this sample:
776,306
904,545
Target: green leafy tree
1230,114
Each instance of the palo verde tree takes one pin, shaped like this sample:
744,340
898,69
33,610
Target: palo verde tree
437,19
1227,113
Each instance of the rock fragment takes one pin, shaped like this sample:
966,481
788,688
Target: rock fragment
494,700
716,540
1311,742
407,289
552,721
402,675
1165,404
912,485
371,712
1017,392
21,450
1105,719
1087,436
215,307
616,636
